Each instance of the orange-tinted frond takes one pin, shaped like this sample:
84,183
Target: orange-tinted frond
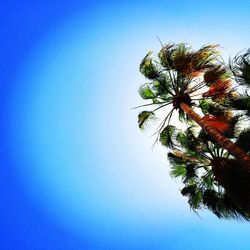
219,122
220,87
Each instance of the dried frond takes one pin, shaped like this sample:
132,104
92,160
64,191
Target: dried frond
215,74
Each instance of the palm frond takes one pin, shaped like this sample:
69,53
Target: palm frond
194,195
218,89
208,106
165,56
222,206
148,68
181,157
162,88
216,73
146,92
178,170
240,102
166,136
189,189
143,117
205,57
191,173
240,66
188,141
181,58
207,180
229,209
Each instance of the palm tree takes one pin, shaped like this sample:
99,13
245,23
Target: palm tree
184,79
209,163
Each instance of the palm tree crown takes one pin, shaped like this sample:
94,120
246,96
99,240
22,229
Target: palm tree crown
184,78
203,156
179,74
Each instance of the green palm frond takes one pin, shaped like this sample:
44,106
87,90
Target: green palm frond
165,56
207,180
202,189
182,138
188,140
146,92
178,170
240,66
166,136
216,201
191,173
183,165
148,68
205,56
143,117
195,201
182,82
162,88
208,106
180,50
194,194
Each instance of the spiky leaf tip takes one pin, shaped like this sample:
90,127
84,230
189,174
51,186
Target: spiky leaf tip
143,117
194,194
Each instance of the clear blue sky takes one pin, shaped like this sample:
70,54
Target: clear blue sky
76,172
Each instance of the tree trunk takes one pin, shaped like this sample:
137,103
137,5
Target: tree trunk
217,136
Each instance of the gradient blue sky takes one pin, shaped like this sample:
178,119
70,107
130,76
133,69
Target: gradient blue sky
76,172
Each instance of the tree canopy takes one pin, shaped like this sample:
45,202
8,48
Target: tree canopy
211,98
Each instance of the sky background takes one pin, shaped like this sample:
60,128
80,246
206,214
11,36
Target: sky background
75,170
